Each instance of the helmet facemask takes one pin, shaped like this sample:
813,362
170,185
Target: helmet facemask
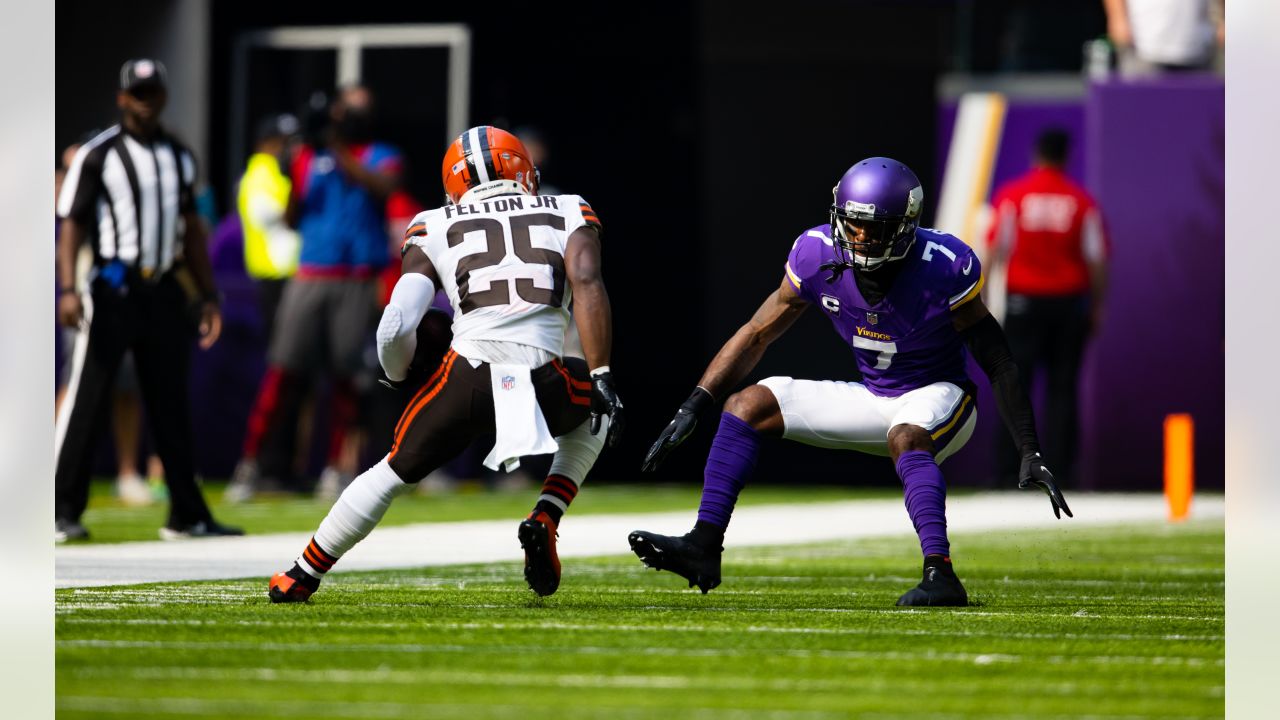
865,239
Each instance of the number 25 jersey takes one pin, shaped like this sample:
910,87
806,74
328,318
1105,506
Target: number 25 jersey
501,262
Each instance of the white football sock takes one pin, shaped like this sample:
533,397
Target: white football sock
578,452
356,512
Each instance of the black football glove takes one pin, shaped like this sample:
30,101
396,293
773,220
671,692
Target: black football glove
1033,472
679,429
605,401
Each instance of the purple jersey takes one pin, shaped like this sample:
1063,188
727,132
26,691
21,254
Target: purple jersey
906,341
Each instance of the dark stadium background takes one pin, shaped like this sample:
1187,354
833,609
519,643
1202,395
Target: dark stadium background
706,134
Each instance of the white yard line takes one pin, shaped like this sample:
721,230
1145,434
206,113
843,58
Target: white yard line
488,541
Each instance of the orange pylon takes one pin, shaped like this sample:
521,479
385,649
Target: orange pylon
1179,464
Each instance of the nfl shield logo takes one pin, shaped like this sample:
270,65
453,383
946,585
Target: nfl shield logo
508,382
873,318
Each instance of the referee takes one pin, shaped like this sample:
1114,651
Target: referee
129,194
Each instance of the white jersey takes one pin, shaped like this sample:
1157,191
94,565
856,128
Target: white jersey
501,261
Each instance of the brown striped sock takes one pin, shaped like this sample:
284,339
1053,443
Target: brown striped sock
315,561
558,492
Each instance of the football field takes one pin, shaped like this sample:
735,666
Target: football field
1106,621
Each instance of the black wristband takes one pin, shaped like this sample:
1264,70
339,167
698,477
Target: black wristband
699,401
211,296
66,291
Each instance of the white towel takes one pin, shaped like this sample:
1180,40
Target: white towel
518,422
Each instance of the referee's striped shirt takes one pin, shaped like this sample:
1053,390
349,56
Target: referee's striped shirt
130,195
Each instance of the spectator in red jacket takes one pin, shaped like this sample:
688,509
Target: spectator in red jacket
1050,232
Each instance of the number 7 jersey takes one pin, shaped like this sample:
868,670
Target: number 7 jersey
501,262
906,340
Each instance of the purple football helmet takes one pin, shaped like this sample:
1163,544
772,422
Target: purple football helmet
875,213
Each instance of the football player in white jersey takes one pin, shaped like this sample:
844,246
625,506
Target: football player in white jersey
510,261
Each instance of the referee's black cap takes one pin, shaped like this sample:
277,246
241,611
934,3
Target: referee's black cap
143,71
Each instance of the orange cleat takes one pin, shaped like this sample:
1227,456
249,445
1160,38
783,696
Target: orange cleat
541,564
286,589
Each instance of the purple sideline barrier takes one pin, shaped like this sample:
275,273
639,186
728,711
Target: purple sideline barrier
1152,152
224,379
1156,162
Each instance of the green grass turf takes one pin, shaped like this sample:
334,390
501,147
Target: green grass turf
110,521
1072,622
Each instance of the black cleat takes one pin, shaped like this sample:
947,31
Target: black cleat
939,588
537,535
699,565
204,528
64,530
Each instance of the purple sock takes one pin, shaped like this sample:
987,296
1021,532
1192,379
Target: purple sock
730,462
926,496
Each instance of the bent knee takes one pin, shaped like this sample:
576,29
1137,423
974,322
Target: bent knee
906,438
756,406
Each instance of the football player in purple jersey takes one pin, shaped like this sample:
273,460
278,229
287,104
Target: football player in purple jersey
907,300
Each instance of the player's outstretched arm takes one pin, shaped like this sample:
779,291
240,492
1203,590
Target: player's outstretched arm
594,317
410,299
986,341
738,357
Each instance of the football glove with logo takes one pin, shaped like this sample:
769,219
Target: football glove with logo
605,401
679,429
1033,472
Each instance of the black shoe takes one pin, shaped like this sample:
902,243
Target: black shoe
939,588
204,528
537,535
699,565
64,530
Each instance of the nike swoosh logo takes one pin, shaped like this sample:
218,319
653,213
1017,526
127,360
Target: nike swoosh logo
969,265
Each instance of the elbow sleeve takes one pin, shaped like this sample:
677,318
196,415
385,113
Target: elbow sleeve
397,331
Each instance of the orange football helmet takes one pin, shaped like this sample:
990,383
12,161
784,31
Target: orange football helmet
491,159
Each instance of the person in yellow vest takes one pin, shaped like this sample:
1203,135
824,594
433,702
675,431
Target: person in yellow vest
271,247
271,250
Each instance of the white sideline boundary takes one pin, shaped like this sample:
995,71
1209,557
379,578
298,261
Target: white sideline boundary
484,541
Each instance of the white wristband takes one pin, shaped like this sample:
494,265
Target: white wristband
600,370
